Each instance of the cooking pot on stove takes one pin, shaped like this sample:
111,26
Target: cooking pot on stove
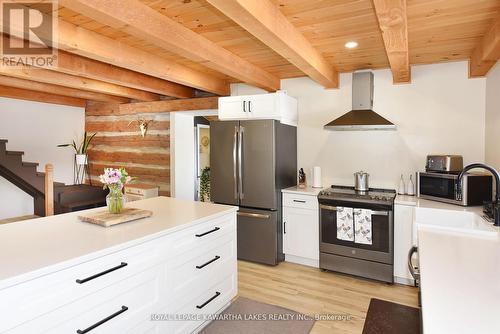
361,181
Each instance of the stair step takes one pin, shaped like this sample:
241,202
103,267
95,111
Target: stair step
14,152
30,164
56,184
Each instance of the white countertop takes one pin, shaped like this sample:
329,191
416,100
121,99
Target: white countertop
425,203
302,191
32,248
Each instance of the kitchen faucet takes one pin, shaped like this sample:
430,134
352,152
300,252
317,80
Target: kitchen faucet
496,203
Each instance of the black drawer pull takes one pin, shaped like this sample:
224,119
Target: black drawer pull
297,201
207,263
97,324
217,294
81,281
211,231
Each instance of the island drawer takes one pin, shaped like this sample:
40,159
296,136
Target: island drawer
300,201
117,309
211,301
202,234
33,298
192,273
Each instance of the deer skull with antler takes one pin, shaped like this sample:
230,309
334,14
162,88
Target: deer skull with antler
143,125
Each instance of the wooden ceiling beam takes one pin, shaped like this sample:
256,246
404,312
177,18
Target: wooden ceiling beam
76,65
486,54
393,22
65,91
24,94
144,22
121,93
86,43
264,20
180,105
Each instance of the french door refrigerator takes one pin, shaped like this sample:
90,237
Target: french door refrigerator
250,162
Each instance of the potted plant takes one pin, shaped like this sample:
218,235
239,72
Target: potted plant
81,150
115,180
205,185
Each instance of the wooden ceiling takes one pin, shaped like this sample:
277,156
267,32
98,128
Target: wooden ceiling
207,43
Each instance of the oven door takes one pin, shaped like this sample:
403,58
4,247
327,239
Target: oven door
381,249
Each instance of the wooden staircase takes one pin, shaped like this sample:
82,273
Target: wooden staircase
26,177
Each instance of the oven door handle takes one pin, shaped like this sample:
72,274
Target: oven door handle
335,208
328,207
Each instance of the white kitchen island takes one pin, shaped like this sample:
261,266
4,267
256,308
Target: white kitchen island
163,274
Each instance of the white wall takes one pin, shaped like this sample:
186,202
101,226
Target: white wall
37,128
183,151
493,117
441,111
183,155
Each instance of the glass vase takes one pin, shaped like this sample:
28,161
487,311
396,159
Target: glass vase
115,200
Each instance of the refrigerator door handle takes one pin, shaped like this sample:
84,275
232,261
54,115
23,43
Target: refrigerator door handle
235,162
240,161
253,215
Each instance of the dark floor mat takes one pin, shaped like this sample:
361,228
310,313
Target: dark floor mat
385,317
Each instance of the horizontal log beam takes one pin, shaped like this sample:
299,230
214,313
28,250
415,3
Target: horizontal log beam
202,103
123,126
66,80
23,94
161,159
80,66
134,141
155,172
65,91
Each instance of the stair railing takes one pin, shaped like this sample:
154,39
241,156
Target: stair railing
49,190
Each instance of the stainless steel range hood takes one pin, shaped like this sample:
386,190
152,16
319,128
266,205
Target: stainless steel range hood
362,117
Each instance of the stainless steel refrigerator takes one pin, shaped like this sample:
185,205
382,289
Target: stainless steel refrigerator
250,162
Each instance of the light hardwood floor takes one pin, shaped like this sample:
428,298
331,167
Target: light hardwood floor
312,291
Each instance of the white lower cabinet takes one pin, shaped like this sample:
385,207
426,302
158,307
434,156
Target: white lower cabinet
403,241
192,271
301,229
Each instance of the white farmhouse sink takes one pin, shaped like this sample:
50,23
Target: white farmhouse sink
459,257
454,221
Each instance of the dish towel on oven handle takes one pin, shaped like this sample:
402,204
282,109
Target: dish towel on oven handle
345,224
363,226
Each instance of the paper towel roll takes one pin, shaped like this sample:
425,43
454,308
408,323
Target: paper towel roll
317,177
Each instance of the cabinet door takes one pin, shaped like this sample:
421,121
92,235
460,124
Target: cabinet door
301,232
233,108
403,228
263,106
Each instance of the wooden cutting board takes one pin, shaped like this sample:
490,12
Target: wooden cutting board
107,219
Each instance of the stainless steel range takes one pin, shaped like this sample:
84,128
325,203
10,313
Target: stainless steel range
357,232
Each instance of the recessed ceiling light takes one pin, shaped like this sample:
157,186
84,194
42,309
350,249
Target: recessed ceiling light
351,44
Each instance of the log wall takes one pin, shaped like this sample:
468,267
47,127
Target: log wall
119,143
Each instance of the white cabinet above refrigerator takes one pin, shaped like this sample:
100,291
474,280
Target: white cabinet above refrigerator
278,106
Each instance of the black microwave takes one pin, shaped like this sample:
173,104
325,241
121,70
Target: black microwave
476,188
